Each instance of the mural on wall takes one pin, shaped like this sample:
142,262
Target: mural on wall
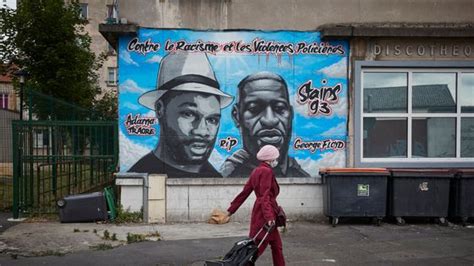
202,103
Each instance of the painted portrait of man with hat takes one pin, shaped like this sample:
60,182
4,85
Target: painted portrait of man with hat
187,102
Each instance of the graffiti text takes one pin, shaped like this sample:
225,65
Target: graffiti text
322,48
228,143
312,146
143,47
198,46
318,99
141,126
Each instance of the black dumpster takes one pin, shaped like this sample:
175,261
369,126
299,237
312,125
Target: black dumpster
462,195
419,193
354,192
83,208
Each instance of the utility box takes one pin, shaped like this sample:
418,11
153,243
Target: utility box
462,195
354,192
156,198
89,207
419,193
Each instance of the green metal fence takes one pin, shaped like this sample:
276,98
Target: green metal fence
54,158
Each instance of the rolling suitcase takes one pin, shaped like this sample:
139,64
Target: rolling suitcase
244,252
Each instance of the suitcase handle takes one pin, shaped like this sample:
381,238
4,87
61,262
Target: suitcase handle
268,229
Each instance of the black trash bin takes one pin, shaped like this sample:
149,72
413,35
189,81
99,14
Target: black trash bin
462,195
83,208
419,193
355,192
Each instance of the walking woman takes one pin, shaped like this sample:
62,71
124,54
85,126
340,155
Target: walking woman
265,209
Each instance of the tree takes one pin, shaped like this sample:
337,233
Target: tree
47,39
107,106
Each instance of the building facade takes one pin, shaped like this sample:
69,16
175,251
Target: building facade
407,83
97,12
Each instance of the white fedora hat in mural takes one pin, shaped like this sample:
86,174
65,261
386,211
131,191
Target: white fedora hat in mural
185,72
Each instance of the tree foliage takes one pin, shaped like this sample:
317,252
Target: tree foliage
47,39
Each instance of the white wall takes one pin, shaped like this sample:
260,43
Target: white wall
8,3
192,200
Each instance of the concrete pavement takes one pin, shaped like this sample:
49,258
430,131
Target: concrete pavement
305,243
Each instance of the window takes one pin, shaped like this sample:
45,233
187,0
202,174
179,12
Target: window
414,114
41,138
111,14
4,101
112,76
84,11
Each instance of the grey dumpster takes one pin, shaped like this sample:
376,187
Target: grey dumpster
462,198
354,192
419,193
83,208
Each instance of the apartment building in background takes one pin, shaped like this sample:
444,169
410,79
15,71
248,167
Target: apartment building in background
97,12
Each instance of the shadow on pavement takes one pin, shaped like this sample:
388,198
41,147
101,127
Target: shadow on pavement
4,223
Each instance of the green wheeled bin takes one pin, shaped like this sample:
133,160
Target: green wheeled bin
355,192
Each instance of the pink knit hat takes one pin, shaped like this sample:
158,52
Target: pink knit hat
268,153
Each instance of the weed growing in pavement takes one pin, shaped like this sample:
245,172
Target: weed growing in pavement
95,231
133,238
76,230
106,235
114,237
48,253
102,246
125,216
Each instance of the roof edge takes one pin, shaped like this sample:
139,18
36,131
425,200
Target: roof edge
111,32
435,30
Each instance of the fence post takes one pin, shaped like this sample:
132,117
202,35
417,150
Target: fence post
54,165
16,170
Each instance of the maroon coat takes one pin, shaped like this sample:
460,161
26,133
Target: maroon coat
262,180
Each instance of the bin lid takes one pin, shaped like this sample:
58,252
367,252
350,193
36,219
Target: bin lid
465,173
354,171
418,172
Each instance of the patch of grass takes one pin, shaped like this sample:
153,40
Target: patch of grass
125,216
134,238
102,246
114,237
76,230
95,231
85,231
